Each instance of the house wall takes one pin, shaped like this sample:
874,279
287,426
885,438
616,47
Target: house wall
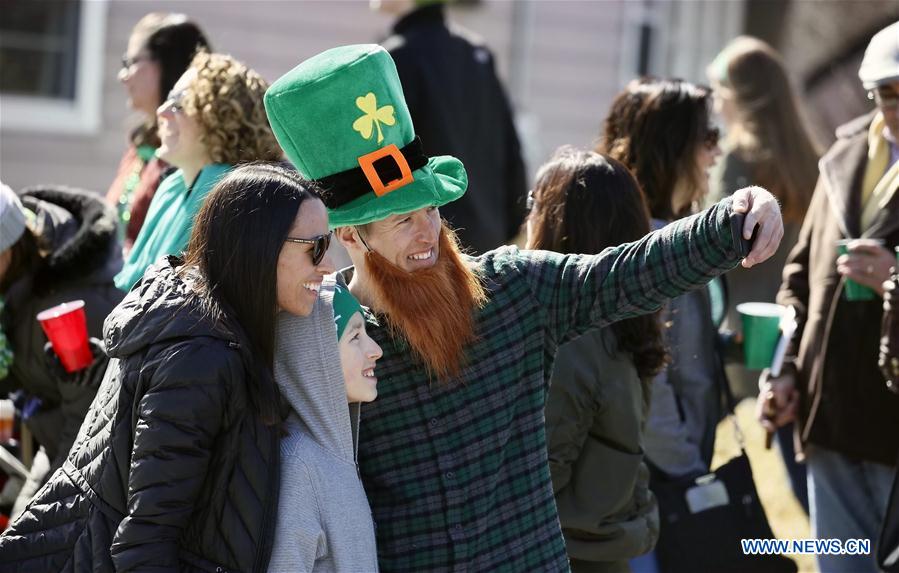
560,59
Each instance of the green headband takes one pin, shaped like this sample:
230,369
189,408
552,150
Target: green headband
345,306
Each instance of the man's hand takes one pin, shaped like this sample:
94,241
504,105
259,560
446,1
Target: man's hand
91,375
778,400
868,263
761,209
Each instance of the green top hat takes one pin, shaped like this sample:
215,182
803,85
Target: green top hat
342,120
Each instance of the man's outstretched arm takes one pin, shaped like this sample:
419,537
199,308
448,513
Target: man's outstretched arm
580,292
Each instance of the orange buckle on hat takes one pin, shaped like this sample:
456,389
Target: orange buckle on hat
367,163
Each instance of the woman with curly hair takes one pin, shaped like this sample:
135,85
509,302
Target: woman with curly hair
212,120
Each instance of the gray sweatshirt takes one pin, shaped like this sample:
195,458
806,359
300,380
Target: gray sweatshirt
324,520
684,409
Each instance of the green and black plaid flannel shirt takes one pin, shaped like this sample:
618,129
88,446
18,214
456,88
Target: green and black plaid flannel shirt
456,473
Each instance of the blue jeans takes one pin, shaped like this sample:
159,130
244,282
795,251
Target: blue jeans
848,499
795,471
645,563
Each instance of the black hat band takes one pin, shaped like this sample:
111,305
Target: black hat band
341,188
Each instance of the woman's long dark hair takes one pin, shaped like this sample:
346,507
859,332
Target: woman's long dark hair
585,202
172,41
655,127
235,244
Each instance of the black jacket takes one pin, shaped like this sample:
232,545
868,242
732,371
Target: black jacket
459,108
79,234
171,469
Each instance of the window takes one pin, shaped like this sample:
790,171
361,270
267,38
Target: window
51,58
39,49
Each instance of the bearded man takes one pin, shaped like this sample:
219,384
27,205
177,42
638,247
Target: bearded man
453,452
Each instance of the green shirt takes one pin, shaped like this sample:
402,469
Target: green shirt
456,473
169,221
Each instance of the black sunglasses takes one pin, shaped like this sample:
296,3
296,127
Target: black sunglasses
319,244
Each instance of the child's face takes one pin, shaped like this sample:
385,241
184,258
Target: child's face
358,354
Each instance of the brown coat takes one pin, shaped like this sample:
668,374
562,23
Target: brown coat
845,405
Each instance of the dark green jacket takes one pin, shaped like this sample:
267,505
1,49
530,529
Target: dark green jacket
595,414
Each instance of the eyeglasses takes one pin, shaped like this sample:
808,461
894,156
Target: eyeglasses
884,99
174,101
319,244
127,62
712,136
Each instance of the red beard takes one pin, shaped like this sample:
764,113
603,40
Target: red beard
432,309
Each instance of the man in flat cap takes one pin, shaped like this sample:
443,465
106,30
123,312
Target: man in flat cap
848,421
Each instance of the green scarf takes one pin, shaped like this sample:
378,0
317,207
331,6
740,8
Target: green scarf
5,351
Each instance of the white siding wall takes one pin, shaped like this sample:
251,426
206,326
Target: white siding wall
561,60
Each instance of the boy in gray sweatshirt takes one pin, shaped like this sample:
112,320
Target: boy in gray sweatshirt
324,520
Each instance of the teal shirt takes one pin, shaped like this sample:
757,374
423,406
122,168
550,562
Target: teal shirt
169,221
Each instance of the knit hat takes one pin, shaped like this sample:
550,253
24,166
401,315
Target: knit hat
342,120
345,306
12,218
881,62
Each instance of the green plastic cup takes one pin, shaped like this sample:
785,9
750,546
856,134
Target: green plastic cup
761,331
852,290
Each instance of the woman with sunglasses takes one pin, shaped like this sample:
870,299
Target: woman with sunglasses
160,48
661,130
177,465
212,120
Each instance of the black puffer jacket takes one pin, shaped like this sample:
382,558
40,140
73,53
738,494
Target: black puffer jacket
171,470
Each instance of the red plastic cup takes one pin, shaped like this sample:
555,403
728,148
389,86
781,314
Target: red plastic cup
66,327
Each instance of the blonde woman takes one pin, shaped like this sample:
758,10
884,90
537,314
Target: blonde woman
212,120
767,144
